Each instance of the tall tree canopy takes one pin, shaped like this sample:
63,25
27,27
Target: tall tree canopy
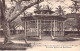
10,14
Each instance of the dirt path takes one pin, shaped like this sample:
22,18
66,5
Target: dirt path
43,45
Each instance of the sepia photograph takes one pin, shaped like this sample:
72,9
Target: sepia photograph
39,25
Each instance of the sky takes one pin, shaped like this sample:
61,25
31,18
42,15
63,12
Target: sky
52,3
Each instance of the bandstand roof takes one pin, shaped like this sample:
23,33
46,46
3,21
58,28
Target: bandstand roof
43,17
44,11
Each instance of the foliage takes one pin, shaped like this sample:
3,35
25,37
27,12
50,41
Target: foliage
49,8
10,14
70,23
75,9
60,11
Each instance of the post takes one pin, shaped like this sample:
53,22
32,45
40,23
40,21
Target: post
37,28
54,28
40,30
63,28
59,29
25,32
51,29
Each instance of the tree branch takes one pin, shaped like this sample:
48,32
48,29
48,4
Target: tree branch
13,10
26,7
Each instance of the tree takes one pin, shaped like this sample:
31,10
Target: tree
11,14
78,23
60,11
75,9
70,23
5,24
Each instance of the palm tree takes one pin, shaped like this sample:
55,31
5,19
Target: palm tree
75,7
60,11
49,8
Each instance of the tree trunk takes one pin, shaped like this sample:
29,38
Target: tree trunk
6,31
5,24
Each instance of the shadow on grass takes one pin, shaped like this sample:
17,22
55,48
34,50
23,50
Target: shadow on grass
28,38
33,39
14,46
65,39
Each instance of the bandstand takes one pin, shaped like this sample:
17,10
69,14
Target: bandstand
44,22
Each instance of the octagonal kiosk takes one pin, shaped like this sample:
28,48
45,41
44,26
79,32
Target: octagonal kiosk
44,21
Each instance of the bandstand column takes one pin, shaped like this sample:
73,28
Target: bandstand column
63,28
25,28
60,29
52,29
40,31
37,27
